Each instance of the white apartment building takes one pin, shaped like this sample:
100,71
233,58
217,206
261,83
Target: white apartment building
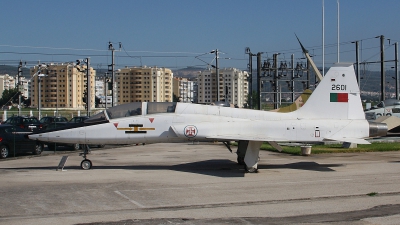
99,87
25,83
184,89
7,82
231,80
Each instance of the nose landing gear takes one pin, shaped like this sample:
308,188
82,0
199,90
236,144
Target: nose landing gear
86,164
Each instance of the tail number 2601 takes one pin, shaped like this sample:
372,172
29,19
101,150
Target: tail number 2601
338,87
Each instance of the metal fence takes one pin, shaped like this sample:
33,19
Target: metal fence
33,112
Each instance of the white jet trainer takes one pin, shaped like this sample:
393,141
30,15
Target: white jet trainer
333,112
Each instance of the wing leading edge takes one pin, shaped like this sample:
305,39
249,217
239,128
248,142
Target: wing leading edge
246,137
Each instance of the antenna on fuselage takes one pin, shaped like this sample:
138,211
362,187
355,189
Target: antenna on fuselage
305,51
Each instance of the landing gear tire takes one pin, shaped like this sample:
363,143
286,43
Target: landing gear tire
38,149
240,160
250,170
4,152
86,164
76,147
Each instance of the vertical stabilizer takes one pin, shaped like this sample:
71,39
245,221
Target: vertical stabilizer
336,97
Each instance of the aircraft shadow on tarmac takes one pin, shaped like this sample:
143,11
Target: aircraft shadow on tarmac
313,166
215,167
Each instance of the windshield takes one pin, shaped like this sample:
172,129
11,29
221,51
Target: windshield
30,120
161,107
125,110
60,119
99,117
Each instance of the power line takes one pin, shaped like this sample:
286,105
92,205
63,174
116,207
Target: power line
98,50
52,48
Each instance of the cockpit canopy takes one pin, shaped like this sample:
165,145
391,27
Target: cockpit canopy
133,109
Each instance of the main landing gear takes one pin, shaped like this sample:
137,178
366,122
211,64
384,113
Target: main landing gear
86,164
247,154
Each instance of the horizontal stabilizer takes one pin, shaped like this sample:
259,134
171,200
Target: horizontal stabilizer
275,145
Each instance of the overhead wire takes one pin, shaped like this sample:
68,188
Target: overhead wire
163,54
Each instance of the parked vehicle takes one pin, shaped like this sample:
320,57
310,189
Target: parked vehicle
27,123
52,119
14,140
389,107
78,119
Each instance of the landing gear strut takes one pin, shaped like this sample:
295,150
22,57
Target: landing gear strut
252,156
241,151
86,164
240,160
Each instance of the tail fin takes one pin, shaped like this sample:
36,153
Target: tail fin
336,97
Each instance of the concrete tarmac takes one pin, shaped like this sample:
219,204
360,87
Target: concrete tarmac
201,183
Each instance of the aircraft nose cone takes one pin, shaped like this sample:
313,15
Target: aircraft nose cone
40,137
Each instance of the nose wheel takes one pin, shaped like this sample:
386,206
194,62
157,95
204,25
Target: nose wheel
86,164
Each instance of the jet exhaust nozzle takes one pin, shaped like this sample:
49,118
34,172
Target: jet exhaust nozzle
377,129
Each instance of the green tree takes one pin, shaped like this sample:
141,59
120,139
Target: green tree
9,96
254,99
27,102
175,98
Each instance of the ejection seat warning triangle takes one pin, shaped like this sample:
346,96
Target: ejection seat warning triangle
62,163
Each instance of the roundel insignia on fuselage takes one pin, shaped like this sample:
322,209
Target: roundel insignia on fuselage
190,131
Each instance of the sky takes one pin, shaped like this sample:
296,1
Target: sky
180,33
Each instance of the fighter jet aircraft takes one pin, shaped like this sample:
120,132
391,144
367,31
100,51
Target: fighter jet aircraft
333,112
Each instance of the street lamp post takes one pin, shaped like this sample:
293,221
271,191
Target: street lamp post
19,87
57,93
39,90
88,82
216,71
39,74
106,80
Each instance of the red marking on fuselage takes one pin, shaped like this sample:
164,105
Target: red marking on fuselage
151,120
115,125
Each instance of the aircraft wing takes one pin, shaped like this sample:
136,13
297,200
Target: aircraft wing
210,131
245,137
272,139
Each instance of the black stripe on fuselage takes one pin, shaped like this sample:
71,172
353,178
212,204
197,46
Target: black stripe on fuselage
135,125
136,132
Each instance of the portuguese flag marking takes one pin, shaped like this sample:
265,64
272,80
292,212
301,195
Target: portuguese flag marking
339,97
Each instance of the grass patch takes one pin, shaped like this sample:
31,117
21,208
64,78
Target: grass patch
335,148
